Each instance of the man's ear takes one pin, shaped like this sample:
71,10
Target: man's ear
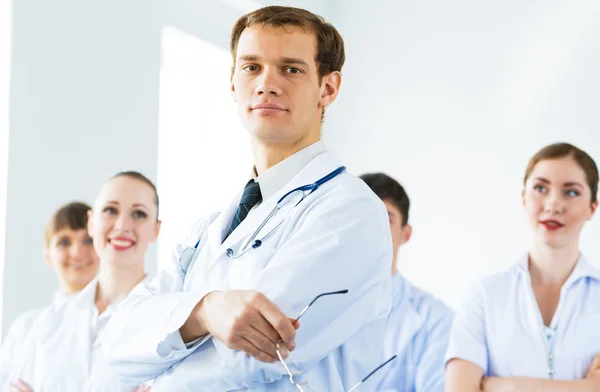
232,86
330,88
406,233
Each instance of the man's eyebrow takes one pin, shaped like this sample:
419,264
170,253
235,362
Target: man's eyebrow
249,57
293,60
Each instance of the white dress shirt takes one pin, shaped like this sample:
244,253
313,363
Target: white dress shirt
418,331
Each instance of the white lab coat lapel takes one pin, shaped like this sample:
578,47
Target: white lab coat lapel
84,310
211,269
57,353
219,228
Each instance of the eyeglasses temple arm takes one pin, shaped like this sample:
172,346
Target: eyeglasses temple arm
316,298
370,374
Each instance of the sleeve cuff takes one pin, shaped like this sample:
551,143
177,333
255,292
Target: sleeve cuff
472,354
196,342
173,345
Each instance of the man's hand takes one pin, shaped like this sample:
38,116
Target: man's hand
594,368
19,386
243,320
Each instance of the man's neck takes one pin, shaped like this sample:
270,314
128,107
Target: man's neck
268,155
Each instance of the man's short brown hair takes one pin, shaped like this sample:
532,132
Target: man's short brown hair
330,45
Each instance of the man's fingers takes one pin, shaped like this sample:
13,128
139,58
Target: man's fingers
295,323
260,341
254,352
20,386
280,322
263,326
595,367
24,387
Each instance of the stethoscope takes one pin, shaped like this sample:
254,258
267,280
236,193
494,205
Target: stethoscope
297,195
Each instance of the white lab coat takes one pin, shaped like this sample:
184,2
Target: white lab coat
62,351
337,238
17,334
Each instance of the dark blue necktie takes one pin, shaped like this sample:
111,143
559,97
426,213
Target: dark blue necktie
250,198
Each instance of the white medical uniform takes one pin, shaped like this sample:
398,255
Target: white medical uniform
337,238
500,327
17,333
62,351
418,331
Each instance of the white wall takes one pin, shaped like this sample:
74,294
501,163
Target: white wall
5,59
452,99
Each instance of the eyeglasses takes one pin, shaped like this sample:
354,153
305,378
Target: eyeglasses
295,373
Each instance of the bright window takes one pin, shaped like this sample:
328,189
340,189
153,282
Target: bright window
204,155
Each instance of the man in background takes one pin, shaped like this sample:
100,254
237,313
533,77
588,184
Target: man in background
418,327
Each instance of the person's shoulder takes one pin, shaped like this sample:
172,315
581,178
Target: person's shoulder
350,182
199,227
35,322
23,322
29,316
491,291
204,221
501,280
351,190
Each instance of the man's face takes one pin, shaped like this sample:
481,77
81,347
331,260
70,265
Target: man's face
400,233
276,85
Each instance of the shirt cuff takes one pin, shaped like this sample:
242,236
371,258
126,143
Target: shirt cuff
173,345
200,340
473,355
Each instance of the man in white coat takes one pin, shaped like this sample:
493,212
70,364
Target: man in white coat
226,318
